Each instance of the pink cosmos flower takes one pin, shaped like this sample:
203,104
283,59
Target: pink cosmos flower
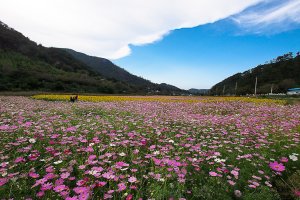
81,166
40,194
92,157
60,188
297,193
284,159
3,181
101,184
97,169
83,196
46,186
231,182
107,196
132,179
49,176
279,167
19,159
129,197
108,175
33,156
59,181
81,190
72,198
71,129
234,172
80,182
252,186
33,175
121,164
143,142
49,169
237,193
133,187
121,187
213,173
65,175
39,182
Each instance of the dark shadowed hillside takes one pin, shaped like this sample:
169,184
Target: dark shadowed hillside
24,65
108,69
279,74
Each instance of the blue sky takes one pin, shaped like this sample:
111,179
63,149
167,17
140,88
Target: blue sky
187,43
205,55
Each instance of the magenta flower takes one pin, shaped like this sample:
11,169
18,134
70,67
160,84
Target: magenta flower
132,179
121,164
97,169
33,175
81,190
49,169
213,173
60,188
72,198
49,176
40,194
3,181
19,159
279,167
284,159
71,129
234,173
143,142
83,196
129,197
80,182
46,186
297,193
65,175
231,182
101,184
121,187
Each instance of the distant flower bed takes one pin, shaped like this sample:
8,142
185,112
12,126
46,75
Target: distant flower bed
127,147
190,99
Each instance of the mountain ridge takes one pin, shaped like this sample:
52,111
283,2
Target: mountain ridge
25,65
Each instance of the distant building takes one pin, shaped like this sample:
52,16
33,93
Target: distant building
293,91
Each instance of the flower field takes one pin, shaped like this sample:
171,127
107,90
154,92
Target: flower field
110,147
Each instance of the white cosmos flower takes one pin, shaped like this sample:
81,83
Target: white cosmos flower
293,157
122,154
57,162
92,172
32,140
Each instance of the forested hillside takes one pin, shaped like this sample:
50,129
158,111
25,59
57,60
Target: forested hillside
27,66
279,74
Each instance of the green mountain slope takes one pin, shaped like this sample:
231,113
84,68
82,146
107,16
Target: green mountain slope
279,74
108,69
24,65
112,71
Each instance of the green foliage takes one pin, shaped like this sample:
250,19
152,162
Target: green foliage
262,193
280,74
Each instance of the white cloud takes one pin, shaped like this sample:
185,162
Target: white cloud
106,28
272,16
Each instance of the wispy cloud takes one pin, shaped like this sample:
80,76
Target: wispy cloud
271,16
107,28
